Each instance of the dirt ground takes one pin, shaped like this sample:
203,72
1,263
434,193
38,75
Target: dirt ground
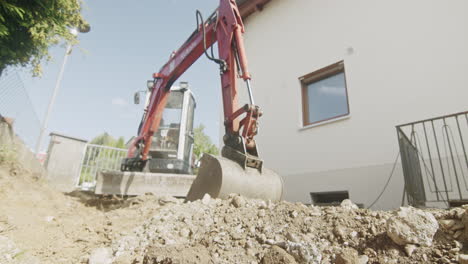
49,227
41,225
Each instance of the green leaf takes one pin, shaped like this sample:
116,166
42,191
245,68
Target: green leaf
203,143
3,30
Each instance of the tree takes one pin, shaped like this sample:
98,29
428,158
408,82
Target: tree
202,143
120,143
29,28
107,140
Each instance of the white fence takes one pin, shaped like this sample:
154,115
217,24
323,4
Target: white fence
95,159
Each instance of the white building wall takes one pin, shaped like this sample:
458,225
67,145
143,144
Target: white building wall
404,61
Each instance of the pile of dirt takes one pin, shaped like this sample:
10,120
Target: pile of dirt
240,230
41,225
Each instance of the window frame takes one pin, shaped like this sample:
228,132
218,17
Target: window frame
316,76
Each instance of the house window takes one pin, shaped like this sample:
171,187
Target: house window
324,95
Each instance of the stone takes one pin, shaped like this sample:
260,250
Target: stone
8,249
206,199
262,205
409,249
457,226
194,255
261,213
292,237
370,252
447,223
100,256
293,214
277,255
463,259
412,226
238,201
340,232
457,212
123,259
349,205
302,252
315,211
457,234
363,259
167,199
445,260
348,256
425,258
184,232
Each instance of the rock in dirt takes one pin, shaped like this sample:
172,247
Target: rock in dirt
277,255
184,232
167,200
8,249
238,201
302,252
206,199
464,220
10,253
100,256
177,254
463,259
409,249
349,205
412,226
350,256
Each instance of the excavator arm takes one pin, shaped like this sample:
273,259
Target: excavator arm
225,27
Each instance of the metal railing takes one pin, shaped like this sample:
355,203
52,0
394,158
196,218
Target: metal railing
95,159
434,159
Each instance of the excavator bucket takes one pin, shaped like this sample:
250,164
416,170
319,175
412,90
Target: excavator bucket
219,177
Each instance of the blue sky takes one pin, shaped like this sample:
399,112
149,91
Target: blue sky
128,41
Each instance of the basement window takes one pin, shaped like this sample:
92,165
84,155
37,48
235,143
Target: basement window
324,95
329,198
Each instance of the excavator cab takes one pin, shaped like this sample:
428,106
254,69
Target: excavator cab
169,168
172,144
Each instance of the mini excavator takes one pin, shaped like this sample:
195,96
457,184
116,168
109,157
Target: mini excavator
239,169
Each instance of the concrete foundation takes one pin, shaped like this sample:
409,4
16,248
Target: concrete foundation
139,183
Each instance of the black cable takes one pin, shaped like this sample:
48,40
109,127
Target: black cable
386,184
213,35
212,58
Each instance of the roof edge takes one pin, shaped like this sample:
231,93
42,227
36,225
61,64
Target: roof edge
246,8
